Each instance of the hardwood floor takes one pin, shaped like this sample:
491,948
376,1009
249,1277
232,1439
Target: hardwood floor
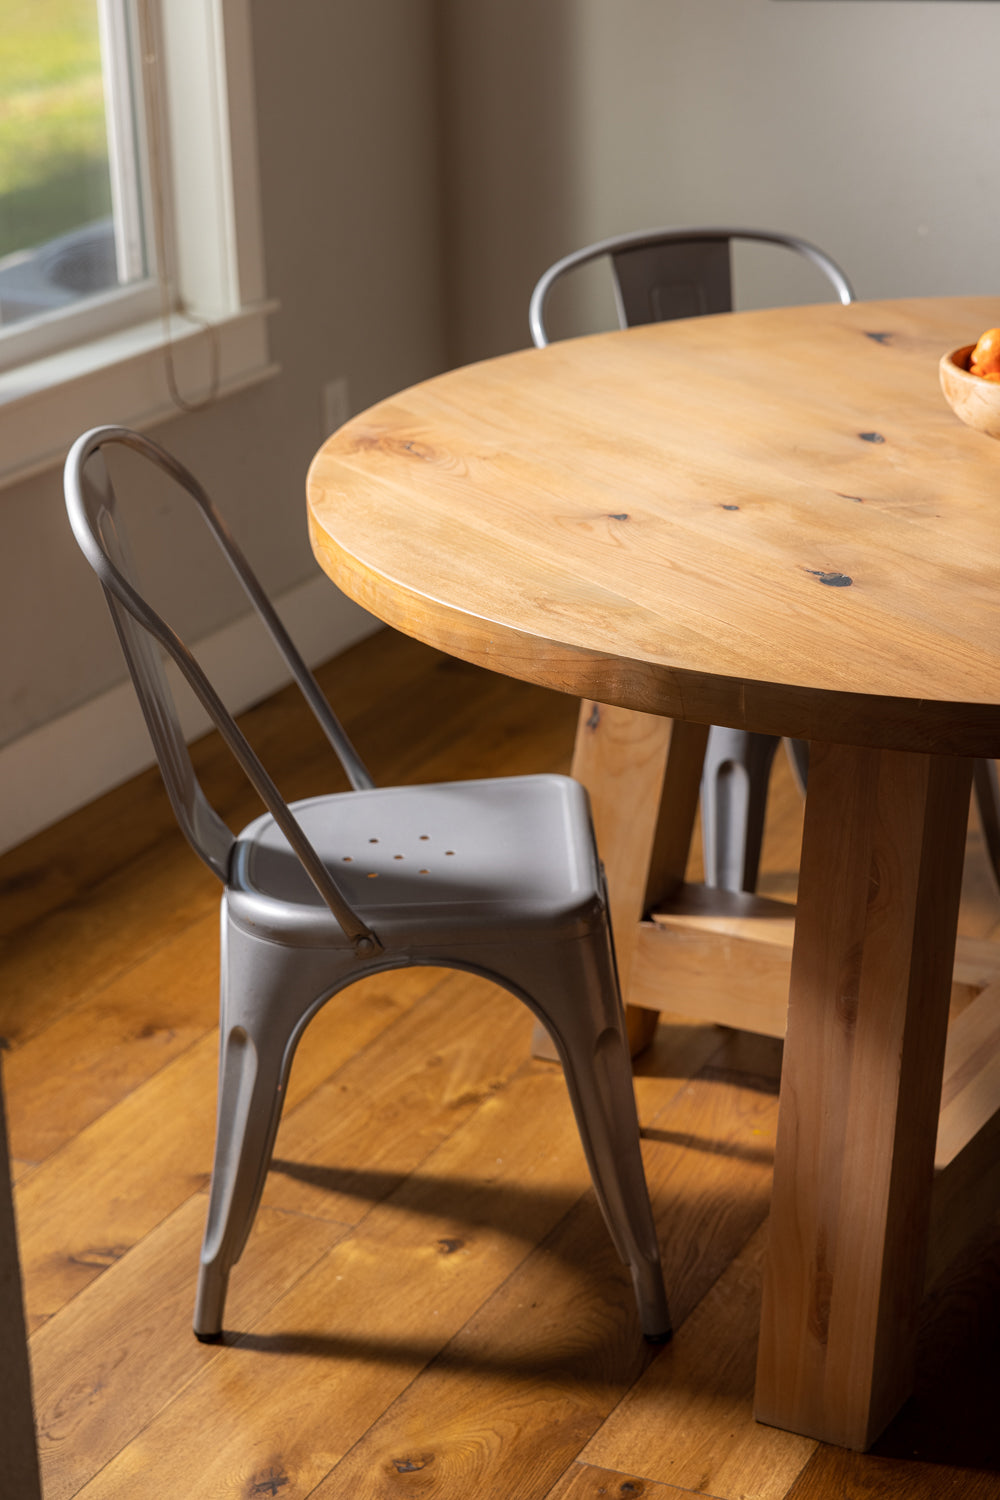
429,1305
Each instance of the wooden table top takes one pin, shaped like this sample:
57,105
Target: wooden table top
770,519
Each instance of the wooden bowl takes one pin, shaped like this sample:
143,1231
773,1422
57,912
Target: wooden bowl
974,401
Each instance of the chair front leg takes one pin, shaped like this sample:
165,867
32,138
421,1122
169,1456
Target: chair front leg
269,992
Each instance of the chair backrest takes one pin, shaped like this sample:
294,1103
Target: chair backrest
660,274
97,525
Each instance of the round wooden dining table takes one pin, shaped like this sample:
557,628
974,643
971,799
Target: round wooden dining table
773,521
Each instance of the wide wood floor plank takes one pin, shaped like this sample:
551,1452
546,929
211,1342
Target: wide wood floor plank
92,1201
709,1158
85,1207
299,1389
57,866
52,966
95,1054
584,1482
512,1399
374,1121
689,1421
352,1021
455,1159
124,1348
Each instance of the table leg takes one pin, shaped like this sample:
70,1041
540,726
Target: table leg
642,773
860,1088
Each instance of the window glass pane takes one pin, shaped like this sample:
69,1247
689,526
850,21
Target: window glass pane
57,236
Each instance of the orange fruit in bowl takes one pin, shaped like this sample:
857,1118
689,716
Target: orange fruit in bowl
985,357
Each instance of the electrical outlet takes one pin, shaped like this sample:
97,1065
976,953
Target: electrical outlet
336,402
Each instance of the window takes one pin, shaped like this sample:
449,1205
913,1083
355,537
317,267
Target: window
131,277
72,222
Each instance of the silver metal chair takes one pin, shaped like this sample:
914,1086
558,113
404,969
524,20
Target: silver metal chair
500,878
657,275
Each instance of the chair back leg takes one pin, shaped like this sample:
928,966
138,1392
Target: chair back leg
987,790
733,803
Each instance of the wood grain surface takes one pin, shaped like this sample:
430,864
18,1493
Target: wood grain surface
775,521
769,519
861,1082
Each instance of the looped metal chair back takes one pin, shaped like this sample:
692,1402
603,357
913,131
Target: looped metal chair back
661,274
95,518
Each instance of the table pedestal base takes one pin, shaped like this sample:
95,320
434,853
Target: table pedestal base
873,1192
861,1079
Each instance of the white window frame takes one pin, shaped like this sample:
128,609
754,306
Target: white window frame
210,197
138,298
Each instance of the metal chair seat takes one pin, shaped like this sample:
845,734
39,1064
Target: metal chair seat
425,862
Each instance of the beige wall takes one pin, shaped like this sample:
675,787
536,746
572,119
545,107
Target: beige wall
348,156
422,161
869,126
514,168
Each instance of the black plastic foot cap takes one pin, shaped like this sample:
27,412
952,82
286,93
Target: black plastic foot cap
659,1338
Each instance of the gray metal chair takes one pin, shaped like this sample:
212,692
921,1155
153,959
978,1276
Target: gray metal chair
657,275
500,878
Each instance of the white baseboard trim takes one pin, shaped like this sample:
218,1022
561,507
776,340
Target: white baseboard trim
66,763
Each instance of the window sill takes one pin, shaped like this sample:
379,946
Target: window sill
123,378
